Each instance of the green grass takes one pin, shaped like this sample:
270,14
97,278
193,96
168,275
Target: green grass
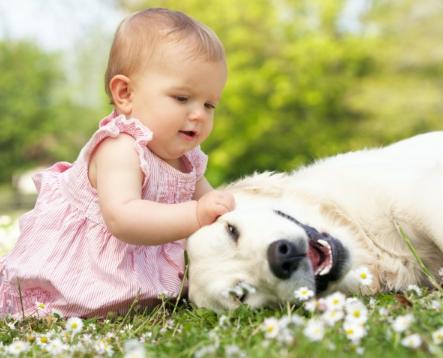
186,331
178,329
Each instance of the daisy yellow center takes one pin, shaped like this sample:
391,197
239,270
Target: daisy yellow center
270,329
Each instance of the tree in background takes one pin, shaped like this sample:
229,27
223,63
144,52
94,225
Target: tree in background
290,71
26,81
39,124
402,96
300,86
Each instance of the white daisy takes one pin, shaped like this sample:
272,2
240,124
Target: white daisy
74,325
310,305
42,340
103,347
359,350
284,321
354,331
271,326
285,336
332,316
17,347
383,311
356,312
437,336
233,351
436,305
411,341
131,344
303,293
363,275
40,306
135,351
335,301
205,351
297,320
402,323
314,330
56,347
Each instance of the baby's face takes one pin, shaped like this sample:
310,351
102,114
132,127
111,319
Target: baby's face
175,97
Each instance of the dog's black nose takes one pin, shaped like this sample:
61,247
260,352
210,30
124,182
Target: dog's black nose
283,258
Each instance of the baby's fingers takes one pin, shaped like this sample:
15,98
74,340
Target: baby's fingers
226,200
220,209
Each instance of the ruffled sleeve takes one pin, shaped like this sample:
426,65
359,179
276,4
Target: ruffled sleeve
113,126
199,161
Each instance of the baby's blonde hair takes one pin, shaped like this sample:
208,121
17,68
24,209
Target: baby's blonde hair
139,35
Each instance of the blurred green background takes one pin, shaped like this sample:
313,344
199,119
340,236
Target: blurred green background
307,79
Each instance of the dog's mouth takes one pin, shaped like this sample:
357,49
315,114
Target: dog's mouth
329,258
320,254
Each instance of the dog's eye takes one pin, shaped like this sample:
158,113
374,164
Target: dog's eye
243,297
233,232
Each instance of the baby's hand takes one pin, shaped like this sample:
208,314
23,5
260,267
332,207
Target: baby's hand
213,204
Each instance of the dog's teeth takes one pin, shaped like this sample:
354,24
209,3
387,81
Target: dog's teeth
325,270
324,243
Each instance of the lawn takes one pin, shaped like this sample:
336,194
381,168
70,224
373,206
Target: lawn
393,325
407,324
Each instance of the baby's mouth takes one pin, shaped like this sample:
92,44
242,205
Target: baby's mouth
189,134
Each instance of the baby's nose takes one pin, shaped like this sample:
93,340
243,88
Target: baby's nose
198,114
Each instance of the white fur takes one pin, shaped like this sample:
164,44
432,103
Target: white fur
357,197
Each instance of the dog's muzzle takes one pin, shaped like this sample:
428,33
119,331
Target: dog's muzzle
327,255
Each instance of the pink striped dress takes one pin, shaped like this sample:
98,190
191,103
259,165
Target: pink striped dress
66,257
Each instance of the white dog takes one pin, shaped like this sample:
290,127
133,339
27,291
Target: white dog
313,226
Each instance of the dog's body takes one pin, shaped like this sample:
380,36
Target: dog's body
273,240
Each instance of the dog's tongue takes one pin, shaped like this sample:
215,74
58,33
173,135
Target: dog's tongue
320,256
314,256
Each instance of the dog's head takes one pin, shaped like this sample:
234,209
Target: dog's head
260,256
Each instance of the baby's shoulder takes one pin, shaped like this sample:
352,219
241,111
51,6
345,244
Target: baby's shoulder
111,154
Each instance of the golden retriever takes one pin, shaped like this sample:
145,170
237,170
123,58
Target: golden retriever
311,227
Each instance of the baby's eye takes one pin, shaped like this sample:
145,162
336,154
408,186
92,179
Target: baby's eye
181,99
210,105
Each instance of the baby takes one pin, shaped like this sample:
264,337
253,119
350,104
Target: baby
107,229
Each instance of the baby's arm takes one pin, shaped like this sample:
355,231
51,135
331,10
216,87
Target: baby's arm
115,171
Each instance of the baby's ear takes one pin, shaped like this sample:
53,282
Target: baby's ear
121,93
